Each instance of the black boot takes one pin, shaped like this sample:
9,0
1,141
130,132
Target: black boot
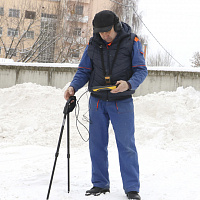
133,195
96,191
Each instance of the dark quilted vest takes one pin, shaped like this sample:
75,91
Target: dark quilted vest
117,64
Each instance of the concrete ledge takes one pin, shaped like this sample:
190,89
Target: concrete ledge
58,75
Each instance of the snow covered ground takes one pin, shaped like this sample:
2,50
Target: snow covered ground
167,138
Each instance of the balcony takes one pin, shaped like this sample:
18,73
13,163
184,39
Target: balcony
77,18
80,1
78,40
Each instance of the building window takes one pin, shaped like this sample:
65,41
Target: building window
79,10
51,27
76,53
77,32
48,28
13,32
1,31
30,14
12,52
29,34
14,13
1,11
50,16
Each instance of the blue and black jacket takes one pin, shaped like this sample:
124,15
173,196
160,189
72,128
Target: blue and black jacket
120,60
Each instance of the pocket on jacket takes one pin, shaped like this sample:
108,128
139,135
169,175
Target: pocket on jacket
93,103
125,106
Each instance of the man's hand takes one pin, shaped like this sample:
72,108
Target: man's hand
69,92
122,86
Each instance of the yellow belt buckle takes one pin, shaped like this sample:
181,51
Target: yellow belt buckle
107,79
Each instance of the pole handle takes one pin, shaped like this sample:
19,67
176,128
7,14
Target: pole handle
70,105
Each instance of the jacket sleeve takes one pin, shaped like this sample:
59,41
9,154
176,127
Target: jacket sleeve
138,65
83,73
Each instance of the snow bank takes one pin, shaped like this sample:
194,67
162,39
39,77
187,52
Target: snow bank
167,137
6,62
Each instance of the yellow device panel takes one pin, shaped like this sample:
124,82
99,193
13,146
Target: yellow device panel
107,87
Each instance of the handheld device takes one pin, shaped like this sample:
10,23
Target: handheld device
107,87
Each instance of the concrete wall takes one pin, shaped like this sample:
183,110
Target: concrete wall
159,79
51,76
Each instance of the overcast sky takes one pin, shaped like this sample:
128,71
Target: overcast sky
176,25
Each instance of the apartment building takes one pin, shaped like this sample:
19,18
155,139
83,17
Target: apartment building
47,30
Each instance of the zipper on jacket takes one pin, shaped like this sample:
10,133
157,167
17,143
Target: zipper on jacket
108,67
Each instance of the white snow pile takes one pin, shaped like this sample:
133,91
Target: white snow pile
167,137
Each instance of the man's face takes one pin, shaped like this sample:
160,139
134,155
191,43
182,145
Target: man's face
108,36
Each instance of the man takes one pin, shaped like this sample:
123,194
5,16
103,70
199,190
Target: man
113,57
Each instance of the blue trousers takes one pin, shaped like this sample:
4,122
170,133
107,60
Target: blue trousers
121,115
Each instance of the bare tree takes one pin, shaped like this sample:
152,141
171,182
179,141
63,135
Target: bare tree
23,26
43,33
75,33
196,59
127,10
159,59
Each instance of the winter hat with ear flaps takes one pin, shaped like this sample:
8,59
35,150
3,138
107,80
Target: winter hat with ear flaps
104,21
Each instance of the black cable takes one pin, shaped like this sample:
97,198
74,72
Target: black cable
77,109
147,29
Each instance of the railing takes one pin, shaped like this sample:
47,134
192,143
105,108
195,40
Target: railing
77,18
